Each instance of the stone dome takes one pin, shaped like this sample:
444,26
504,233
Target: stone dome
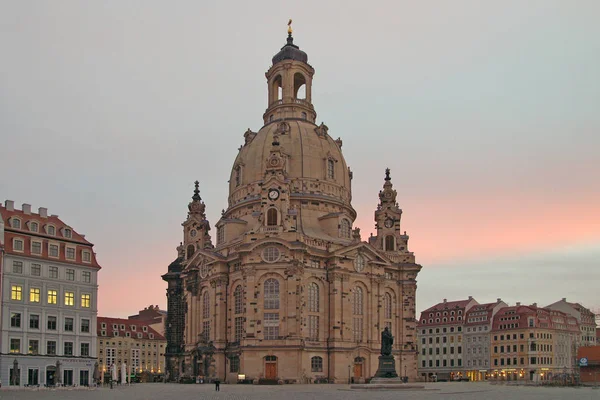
308,150
290,52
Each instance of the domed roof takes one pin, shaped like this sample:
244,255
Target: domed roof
290,52
307,149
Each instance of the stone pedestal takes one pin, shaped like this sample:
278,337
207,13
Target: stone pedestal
387,367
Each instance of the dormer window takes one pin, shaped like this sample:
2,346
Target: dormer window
51,230
15,223
33,226
67,233
115,327
145,328
151,336
115,333
132,327
122,327
102,333
127,334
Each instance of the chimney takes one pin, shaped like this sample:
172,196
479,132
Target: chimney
9,205
518,304
470,297
43,211
564,299
498,299
54,216
534,305
26,208
445,301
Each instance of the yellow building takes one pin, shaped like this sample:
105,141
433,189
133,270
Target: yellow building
131,342
289,291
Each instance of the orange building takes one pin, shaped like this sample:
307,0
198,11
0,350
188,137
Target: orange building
589,364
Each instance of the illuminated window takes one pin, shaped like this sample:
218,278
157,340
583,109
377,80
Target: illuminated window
16,292
52,297
85,300
15,345
34,295
69,299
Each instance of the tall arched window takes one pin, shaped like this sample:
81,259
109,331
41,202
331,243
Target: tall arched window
271,302
299,86
330,169
206,315
313,311
357,310
313,297
190,250
390,243
345,229
271,217
387,306
238,300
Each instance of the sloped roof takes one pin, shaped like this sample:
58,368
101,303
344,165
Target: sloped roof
128,323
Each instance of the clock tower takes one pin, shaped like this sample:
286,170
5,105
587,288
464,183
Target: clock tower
196,226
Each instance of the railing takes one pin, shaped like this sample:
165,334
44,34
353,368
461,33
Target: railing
304,102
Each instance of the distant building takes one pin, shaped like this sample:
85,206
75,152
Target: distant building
440,335
585,318
49,300
589,364
153,317
477,330
532,343
130,341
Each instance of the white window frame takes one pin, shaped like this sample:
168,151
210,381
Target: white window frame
22,241
67,232
16,219
48,226
57,250
74,249
86,254
37,242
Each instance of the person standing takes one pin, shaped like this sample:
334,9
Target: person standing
217,385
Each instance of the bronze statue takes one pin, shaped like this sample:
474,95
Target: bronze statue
387,340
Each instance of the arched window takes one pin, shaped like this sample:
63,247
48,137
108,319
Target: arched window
271,289
238,299
16,223
272,217
206,305
345,229
299,86
190,250
330,169
357,301
313,297
276,89
316,364
387,306
238,175
389,243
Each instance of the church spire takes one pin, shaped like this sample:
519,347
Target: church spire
388,194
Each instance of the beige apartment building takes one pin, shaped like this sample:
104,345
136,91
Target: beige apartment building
131,342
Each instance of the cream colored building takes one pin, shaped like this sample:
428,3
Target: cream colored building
289,291
131,342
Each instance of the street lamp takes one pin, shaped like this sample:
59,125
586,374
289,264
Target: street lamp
348,374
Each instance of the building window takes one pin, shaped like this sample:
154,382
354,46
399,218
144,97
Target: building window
220,234
53,250
271,326
51,347
18,244
316,364
15,320
17,267
315,264
15,345
70,274
67,233
390,243
238,175
239,328
238,299
36,269
330,169
357,329
68,349
313,297
85,300
313,327
69,299
51,230
387,306
85,326
271,294
16,223
359,263
85,350
345,229
34,321
357,303
272,217
86,276
36,247
51,323
234,364
70,253
68,324
86,256
53,272
34,347
271,254
16,292
34,295
33,226
52,297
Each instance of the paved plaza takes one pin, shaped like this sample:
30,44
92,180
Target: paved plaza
450,390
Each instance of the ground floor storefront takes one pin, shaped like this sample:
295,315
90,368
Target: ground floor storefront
25,370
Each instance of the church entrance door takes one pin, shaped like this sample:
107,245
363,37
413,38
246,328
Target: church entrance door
358,368
270,367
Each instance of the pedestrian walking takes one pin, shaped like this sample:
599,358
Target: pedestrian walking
217,385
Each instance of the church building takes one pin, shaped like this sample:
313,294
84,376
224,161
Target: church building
289,292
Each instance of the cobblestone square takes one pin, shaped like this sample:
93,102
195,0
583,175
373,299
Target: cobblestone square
432,391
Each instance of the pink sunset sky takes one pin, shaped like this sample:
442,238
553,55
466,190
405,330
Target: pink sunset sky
486,114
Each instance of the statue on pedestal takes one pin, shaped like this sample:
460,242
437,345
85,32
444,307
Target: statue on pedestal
387,365
387,340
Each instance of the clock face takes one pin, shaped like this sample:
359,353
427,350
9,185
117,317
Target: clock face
193,233
273,194
389,223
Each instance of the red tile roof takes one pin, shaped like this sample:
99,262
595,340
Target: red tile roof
77,240
448,306
128,323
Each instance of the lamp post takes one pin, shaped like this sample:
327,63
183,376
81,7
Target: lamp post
348,374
